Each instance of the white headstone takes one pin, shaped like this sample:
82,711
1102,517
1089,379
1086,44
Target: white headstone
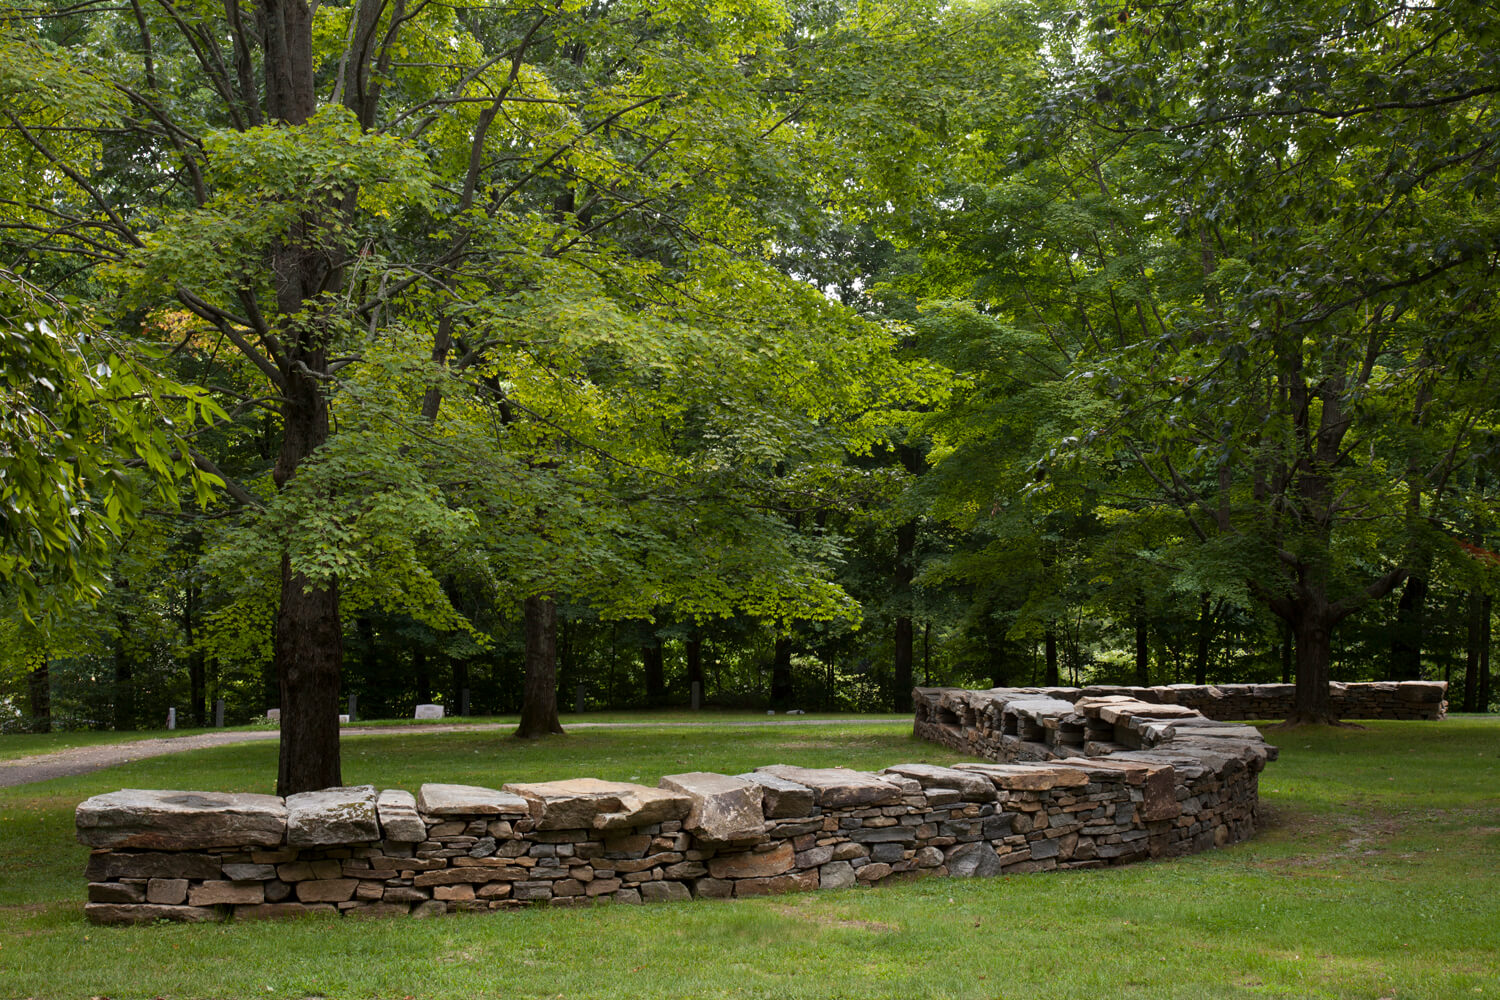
274,714
429,712
171,718
343,720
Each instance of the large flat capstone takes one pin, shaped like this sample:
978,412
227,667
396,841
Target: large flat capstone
592,804
180,821
1029,777
332,816
839,787
468,800
724,809
973,787
780,798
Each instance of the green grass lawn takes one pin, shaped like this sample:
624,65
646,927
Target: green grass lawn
1377,875
16,745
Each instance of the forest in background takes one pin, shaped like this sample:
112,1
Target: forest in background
807,350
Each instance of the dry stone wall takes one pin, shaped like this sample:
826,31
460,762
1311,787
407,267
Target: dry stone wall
1411,700
198,856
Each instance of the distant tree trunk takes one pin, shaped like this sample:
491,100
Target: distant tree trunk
781,672
1142,645
197,672
1050,640
1485,692
1205,640
1474,652
998,651
460,680
1407,631
901,661
423,675
655,669
539,697
124,678
693,652
1286,653
39,691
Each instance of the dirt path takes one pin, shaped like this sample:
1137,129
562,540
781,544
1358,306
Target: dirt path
84,760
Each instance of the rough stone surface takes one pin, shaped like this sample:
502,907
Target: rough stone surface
146,913
781,798
180,821
215,893
750,864
977,860
591,804
724,809
468,800
970,786
838,787
332,816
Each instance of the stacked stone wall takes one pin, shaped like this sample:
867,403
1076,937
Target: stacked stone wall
1409,700
199,856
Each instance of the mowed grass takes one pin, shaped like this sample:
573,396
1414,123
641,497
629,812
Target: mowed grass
1376,875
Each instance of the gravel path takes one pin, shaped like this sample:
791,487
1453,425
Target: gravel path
84,760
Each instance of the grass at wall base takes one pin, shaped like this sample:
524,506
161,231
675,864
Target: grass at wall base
1374,876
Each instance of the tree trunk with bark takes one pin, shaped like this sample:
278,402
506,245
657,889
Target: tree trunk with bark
39,694
901,659
1473,652
693,652
1485,691
655,668
1407,632
1050,645
1142,646
124,700
539,698
781,673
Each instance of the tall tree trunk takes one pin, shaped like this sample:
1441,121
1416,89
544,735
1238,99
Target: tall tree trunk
901,660
308,646
124,677
656,676
1407,631
197,667
39,692
459,681
423,675
539,698
999,653
1142,644
1205,639
1473,652
1485,692
1050,641
1314,652
693,652
781,672
1286,653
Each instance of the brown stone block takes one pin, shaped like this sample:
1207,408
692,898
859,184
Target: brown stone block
145,913
116,892
283,911
404,894
750,865
327,890
602,886
169,891
494,890
463,876
214,893
104,866
453,893
372,911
